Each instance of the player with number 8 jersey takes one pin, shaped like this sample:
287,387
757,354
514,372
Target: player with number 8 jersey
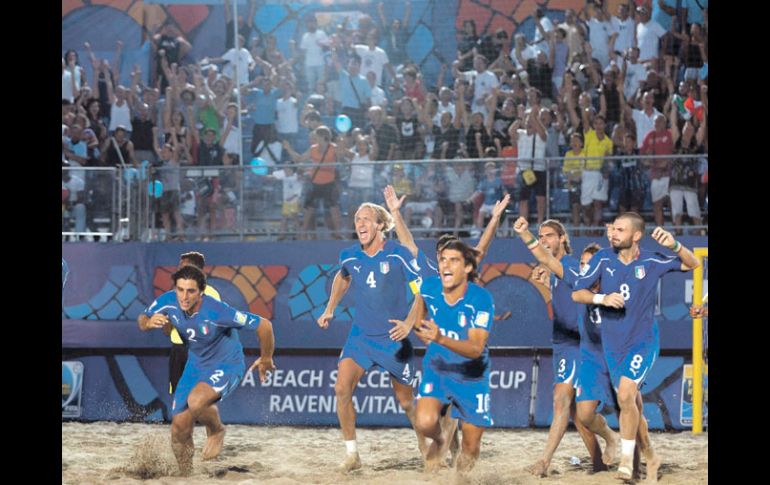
628,278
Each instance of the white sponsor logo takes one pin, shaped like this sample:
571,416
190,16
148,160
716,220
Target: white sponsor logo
610,271
357,268
434,310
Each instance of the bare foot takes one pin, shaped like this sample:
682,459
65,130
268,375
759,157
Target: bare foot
653,464
213,445
465,463
539,469
352,462
433,457
611,449
625,468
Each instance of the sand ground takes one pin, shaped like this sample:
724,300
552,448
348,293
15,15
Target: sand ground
122,453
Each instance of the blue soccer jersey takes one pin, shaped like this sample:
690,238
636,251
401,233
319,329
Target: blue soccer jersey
565,311
208,332
474,310
637,283
380,284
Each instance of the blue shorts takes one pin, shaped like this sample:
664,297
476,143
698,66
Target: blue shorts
223,378
566,362
395,357
469,398
593,382
633,363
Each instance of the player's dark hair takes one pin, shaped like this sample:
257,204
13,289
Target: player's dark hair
592,248
637,222
470,255
190,272
195,258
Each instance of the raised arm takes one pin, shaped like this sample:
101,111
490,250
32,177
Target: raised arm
664,238
402,230
491,229
543,256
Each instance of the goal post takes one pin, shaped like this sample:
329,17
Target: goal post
697,344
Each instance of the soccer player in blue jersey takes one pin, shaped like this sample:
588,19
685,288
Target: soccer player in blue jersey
178,356
594,386
430,268
379,272
628,277
456,365
216,362
554,243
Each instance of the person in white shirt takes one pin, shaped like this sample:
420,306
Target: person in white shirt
622,33
378,96
287,114
373,58
445,104
485,84
539,41
292,196
599,30
635,72
240,57
521,52
312,44
648,34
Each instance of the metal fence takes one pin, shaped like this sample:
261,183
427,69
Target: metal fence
251,202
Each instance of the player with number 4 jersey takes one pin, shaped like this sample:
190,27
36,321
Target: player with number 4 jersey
380,273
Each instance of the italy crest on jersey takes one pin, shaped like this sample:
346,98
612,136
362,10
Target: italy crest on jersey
639,272
384,267
461,321
204,329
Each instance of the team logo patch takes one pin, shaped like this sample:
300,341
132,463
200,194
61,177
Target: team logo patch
384,267
240,318
482,319
427,388
414,265
173,404
639,272
204,329
461,321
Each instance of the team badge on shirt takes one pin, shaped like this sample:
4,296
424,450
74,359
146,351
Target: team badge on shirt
461,321
482,319
204,329
384,267
240,318
639,272
427,388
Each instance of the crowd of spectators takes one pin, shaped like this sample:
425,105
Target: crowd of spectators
628,83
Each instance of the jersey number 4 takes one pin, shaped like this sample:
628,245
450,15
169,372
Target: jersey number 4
370,280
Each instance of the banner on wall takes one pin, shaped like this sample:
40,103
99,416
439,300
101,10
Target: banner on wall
71,389
686,409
